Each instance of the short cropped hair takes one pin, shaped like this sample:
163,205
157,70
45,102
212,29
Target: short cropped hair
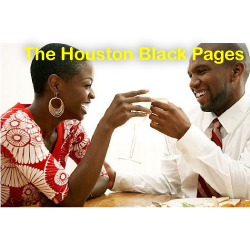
42,69
234,47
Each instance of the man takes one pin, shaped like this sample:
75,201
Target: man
215,153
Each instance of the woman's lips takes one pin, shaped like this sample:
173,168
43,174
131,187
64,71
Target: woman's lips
85,107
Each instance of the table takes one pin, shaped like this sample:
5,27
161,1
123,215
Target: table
123,200
127,200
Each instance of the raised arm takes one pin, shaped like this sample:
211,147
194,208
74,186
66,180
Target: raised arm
83,179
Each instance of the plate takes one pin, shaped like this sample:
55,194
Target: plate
198,202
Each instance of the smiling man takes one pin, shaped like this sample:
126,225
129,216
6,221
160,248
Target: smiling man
213,140
213,84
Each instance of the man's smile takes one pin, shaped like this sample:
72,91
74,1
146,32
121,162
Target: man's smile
200,94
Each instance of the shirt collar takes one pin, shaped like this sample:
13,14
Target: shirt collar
229,119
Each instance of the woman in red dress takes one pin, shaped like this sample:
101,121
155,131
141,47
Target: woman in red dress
37,139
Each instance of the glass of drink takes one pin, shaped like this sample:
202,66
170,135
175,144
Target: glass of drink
164,100
137,121
169,154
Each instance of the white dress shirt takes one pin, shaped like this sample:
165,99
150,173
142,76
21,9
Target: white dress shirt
226,170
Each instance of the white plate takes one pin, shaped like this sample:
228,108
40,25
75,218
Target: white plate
197,202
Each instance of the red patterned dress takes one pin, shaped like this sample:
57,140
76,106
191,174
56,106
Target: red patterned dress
27,167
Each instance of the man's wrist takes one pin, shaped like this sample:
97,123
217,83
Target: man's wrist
184,131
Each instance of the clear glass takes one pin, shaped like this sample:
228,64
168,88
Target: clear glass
164,100
137,121
171,155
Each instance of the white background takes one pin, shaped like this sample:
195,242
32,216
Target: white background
111,229
126,228
163,78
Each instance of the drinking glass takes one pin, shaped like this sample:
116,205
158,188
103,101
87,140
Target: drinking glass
164,100
170,154
137,121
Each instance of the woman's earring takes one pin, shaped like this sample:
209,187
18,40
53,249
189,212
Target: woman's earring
56,112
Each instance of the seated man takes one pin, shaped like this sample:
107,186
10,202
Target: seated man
214,142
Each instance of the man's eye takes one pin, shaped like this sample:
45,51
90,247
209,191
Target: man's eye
202,71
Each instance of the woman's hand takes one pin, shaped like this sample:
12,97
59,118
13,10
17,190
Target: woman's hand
100,187
111,174
121,108
44,201
84,177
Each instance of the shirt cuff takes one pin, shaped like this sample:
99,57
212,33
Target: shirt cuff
117,182
193,142
122,182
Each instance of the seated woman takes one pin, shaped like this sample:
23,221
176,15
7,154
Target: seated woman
37,139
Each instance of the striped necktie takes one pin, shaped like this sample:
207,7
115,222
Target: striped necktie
204,189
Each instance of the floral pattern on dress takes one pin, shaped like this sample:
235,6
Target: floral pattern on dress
29,195
37,178
10,175
80,153
23,139
27,167
5,194
55,175
79,143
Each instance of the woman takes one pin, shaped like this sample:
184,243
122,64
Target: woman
37,139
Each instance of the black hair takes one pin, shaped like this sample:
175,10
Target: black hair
233,47
41,69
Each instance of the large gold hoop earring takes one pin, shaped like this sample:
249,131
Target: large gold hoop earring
56,112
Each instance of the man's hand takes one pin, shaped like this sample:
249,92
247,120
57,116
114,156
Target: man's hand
111,174
169,119
44,201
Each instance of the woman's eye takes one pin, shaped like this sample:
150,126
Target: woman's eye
88,86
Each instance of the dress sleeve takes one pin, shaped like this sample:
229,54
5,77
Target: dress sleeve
80,145
22,143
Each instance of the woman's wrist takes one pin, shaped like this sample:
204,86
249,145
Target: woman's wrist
106,125
112,181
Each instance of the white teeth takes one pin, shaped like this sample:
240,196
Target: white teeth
85,106
200,94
